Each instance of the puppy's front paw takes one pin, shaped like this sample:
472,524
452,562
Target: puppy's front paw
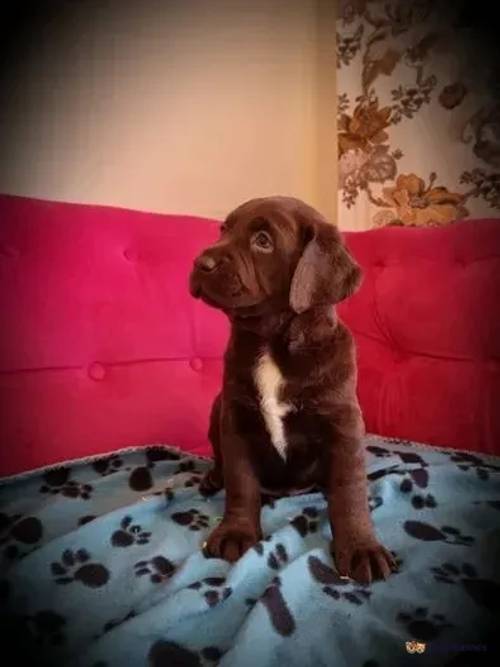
230,540
364,561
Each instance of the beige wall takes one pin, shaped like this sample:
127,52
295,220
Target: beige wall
187,106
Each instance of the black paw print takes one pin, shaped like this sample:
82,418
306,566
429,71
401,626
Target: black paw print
279,613
169,653
212,589
194,480
428,533
58,481
140,478
335,586
107,465
157,454
47,627
379,452
190,466
17,531
307,522
278,557
422,625
186,466
484,592
417,477
406,457
193,519
468,462
129,534
159,569
384,472
75,566
421,502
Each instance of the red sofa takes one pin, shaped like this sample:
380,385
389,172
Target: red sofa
102,347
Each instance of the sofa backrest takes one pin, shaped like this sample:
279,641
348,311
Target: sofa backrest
102,346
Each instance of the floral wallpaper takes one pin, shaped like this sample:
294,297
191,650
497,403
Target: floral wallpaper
418,113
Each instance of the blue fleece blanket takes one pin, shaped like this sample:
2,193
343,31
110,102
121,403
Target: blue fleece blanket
102,567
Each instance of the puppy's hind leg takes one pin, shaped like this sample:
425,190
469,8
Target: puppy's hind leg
213,480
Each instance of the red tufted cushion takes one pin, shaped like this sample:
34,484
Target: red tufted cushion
427,326
102,347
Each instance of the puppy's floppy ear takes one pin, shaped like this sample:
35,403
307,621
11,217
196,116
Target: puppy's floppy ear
326,272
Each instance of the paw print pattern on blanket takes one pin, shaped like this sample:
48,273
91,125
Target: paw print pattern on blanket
278,557
449,548
192,519
406,457
58,481
157,454
420,624
280,615
75,566
307,522
190,466
129,534
17,533
212,589
428,533
418,477
484,592
108,465
140,478
335,586
193,480
422,502
472,463
170,654
159,569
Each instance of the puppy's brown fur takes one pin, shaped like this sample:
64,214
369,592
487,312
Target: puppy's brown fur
287,417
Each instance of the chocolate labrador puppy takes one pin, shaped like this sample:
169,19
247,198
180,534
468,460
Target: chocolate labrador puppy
287,419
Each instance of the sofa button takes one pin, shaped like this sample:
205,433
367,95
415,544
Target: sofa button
130,254
96,371
196,364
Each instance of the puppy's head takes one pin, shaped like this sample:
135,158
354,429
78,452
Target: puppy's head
274,253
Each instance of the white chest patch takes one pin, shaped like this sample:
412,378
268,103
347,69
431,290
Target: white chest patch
269,381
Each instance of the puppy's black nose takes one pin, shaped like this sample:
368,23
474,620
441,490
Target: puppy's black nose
205,263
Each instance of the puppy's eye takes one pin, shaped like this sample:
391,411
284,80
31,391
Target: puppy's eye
262,241
223,229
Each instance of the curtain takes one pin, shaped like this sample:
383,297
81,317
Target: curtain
418,112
